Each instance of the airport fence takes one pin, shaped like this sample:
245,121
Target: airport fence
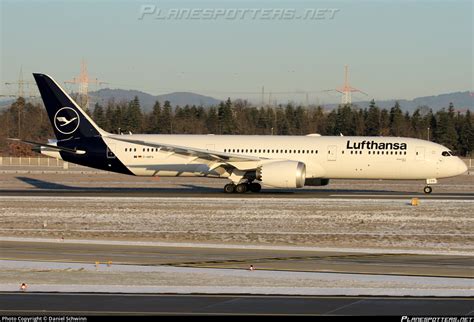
36,162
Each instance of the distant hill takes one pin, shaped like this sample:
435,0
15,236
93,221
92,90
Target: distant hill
461,101
147,100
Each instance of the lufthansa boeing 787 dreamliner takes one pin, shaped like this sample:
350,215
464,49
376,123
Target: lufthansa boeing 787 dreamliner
246,161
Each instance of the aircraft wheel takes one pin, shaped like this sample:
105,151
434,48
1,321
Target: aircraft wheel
427,189
241,188
255,187
229,188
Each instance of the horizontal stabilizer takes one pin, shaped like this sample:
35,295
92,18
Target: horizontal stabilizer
49,146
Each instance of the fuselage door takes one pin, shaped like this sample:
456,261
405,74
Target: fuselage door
420,153
332,152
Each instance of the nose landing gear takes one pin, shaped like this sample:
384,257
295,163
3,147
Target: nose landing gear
427,189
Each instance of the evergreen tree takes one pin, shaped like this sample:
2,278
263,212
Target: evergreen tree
417,124
445,133
301,121
154,123
331,124
372,126
212,121
396,120
133,116
282,126
344,121
290,118
165,123
98,116
466,135
384,123
317,123
226,119
359,122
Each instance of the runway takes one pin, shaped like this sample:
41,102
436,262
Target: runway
217,193
29,182
153,304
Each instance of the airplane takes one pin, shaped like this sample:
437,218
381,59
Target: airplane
247,161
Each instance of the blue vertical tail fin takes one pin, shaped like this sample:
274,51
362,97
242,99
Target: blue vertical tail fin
68,119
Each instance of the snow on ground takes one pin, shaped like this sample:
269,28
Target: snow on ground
434,225
75,277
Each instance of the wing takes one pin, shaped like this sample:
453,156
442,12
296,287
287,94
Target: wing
238,161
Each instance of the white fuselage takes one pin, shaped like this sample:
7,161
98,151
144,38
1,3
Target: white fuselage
336,157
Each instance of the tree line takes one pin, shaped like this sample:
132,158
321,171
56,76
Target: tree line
447,126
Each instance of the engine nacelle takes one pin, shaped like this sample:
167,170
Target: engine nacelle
316,182
282,174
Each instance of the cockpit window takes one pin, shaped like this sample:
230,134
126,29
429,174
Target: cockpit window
446,153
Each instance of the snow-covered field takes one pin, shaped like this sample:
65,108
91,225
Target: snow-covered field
365,225
442,225
72,277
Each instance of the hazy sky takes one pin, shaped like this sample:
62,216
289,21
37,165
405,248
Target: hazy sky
395,49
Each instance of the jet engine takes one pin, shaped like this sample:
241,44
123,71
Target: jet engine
282,174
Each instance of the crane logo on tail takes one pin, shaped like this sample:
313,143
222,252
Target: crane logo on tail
66,120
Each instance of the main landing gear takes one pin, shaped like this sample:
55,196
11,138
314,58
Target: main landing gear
427,189
242,187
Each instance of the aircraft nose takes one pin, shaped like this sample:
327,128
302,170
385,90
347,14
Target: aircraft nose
462,166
